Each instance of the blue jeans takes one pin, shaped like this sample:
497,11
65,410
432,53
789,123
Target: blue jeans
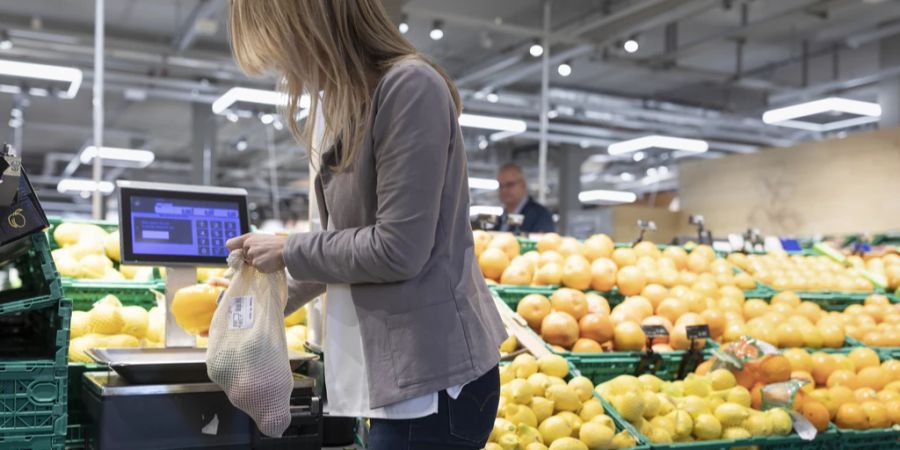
461,424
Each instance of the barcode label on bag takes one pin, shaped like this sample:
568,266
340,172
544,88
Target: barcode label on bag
240,313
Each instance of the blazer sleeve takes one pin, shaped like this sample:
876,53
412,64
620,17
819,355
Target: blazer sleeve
413,126
544,222
301,293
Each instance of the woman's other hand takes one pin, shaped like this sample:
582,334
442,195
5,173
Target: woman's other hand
263,251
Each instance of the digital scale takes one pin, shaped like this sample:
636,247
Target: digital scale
161,398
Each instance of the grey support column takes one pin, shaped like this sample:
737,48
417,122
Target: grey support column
889,89
203,145
570,161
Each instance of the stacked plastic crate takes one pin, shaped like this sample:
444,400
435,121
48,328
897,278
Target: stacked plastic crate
34,332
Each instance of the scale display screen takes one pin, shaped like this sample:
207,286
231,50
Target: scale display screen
179,227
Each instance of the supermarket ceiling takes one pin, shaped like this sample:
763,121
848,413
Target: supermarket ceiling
703,69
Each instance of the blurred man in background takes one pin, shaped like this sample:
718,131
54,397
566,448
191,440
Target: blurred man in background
514,196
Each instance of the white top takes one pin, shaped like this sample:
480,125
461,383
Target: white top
519,208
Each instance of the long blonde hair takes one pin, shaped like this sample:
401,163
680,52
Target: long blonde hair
340,48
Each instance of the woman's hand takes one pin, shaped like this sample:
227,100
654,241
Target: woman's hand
263,251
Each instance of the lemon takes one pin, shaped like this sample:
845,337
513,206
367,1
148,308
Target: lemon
520,391
739,395
137,319
78,347
664,422
651,382
79,324
110,300
492,446
66,234
298,317
66,264
568,443
651,404
683,424
757,424
731,415
93,265
519,414
555,381
111,245
553,365
501,427
722,379
508,441
630,405
122,341
625,383
539,383
665,405
156,326
583,387
554,427
564,398
111,274
694,406
659,436
106,319
604,420
129,272
779,421
707,427
193,307
623,440
733,433
596,436
528,435
696,385
525,365
541,407
573,419
506,374
590,409
532,446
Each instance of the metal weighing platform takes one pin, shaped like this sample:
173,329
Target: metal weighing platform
186,415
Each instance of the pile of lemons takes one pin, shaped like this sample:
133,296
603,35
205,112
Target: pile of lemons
109,324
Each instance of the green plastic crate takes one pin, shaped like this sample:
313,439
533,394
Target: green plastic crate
77,415
56,221
85,292
512,294
878,439
526,245
39,333
33,400
600,367
31,258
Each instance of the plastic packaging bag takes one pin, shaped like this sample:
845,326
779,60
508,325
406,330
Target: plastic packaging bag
247,354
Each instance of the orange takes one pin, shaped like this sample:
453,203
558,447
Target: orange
734,331
646,248
799,359
597,303
493,262
550,256
874,311
851,416
551,241
659,320
630,280
755,308
816,413
533,308
804,375
841,394
812,337
596,246
864,357
730,304
584,345
569,301
716,321
559,328
864,394
640,304
873,377
888,395
690,319
706,288
629,337
569,246
603,274
679,339
876,414
789,335
893,411
756,396
853,309
876,299
668,277
832,336
703,368
656,293
596,326
842,377
576,272
624,257
874,338
704,250
788,298
732,292
775,368
621,314
893,368
549,274
672,308
678,255
507,243
843,362
823,365
809,310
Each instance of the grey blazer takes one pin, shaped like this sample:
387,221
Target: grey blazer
403,242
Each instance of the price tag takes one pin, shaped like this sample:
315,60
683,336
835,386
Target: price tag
653,331
240,313
697,331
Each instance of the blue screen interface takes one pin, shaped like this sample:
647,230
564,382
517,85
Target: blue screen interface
166,226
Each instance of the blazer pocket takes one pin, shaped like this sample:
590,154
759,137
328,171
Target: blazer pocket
427,344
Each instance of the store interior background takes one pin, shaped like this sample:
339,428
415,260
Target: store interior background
704,69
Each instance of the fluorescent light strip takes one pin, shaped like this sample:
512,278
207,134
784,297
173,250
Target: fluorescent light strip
488,210
825,127
600,195
492,123
83,185
142,157
656,141
844,105
483,183
248,95
70,75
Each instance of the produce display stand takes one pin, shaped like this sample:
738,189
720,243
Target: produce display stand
876,439
85,292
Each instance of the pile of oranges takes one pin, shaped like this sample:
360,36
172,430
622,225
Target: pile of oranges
804,273
855,391
597,264
875,323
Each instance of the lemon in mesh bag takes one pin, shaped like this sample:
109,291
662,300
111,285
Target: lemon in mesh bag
247,354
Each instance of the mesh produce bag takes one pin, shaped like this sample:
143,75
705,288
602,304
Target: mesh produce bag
247,354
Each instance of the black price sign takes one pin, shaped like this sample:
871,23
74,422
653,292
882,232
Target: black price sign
652,331
697,331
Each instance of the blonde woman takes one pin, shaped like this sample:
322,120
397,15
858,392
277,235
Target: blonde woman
411,330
